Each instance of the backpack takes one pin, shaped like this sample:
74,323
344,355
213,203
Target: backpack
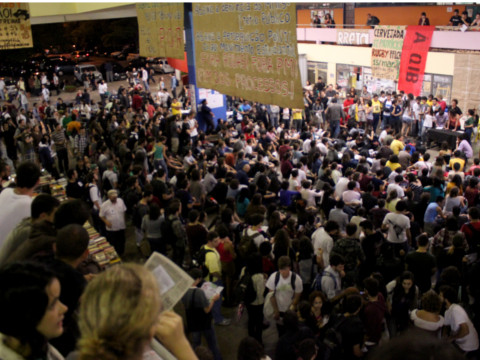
247,244
199,260
332,342
292,281
106,185
244,291
167,231
86,196
317,283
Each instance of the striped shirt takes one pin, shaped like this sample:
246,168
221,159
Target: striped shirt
58,138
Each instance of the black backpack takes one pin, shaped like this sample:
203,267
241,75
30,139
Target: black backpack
332,342
106,185
244,291
86,196
167,231
199,260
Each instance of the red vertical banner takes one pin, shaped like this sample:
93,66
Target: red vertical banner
414,58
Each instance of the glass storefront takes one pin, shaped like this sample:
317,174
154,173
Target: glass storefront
316,69
349,76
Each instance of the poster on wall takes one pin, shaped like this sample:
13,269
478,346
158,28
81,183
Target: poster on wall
214,98
15,28
248,50
160,30
387,51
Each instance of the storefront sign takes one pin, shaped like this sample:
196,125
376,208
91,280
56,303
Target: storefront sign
248,50
15,29
387,51
414,58
160,30
353,37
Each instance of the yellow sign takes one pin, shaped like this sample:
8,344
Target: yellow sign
15,29
248,50
160,30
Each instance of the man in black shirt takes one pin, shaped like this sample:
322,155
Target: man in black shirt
198,312
319,86
421,264
455,20
74,187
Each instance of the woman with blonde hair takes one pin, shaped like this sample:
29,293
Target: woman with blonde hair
120,314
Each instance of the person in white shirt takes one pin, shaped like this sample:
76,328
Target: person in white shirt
307,145
322,240
351,197
102,91
145,79
342,184
112,213
462,331
285,296
45,93
293,183
15,203
396,186
2,88
309,195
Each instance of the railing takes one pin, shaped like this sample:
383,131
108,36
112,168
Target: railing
363,26
443,37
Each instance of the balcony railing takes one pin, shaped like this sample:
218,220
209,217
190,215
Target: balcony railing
444,37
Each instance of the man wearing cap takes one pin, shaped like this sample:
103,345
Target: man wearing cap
112,213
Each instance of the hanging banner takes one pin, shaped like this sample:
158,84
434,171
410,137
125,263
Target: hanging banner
414,58
387,51
160,30
248,50
15,29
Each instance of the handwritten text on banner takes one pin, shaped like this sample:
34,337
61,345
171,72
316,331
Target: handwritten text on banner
160,30
387,51
15,29
248,50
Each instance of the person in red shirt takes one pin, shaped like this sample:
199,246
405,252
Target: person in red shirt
137,101
349,101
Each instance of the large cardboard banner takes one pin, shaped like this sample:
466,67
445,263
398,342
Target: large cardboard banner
248,50
15,29
387,51
160,30
414,58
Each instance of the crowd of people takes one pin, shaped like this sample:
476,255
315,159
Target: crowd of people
342,235
455,20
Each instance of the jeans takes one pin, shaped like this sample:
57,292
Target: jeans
386,121
376,120
211,338
217,306
161,163
62,155
109,76
274,120
334,128
255,321
117,240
